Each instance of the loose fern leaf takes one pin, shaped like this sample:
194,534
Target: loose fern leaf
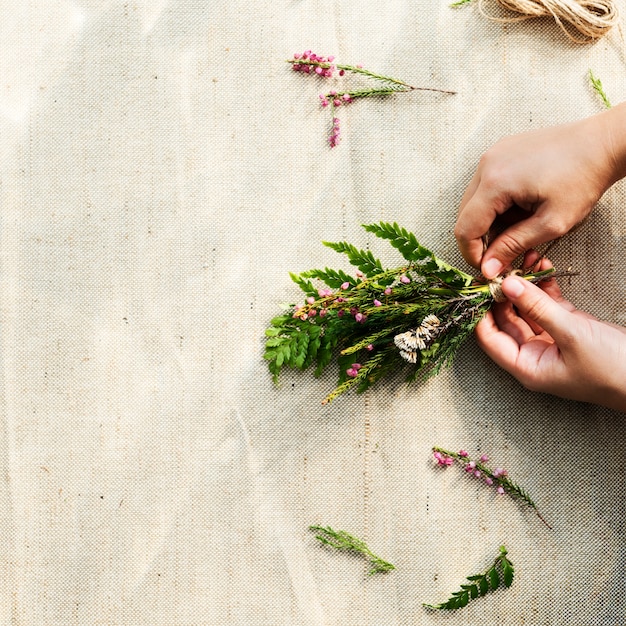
480,584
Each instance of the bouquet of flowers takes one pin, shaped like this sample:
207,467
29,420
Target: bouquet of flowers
414,316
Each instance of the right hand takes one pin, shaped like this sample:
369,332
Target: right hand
547,180
550,346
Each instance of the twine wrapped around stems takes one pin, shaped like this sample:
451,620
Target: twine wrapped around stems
592,19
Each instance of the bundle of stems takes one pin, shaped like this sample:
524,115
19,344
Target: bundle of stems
414,316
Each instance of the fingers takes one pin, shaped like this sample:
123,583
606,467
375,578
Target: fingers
479,208
501,347
513,242
539,307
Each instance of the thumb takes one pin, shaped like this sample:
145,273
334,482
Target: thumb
514,241
538,306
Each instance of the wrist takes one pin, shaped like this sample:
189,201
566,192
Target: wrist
610,129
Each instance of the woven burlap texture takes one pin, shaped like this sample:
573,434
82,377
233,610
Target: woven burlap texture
162,171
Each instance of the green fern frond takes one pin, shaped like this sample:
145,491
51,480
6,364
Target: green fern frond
364,260
500,572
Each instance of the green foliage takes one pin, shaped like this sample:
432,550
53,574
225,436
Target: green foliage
341,540
596,83
499,479
359,321
363,259
500,572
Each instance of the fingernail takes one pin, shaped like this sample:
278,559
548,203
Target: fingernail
513,287
492,268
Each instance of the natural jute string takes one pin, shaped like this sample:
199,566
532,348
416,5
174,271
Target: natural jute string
591,18
495,286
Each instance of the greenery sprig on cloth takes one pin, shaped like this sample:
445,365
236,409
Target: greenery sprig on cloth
341,540
497,478
325,67
414,316
500,572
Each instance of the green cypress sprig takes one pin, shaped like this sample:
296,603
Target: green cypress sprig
412,317
501,572
497,478
341,540
596,83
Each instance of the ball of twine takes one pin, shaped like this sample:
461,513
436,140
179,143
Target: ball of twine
591,19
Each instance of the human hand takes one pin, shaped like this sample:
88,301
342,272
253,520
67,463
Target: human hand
550,346
543,183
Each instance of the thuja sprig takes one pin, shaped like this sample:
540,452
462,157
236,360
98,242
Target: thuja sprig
341,540
497,478
325,67
378,321
500,572
596,83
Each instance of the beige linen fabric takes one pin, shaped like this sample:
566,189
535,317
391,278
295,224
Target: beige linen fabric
162,170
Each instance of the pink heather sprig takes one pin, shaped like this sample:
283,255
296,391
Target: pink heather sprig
324,67
497,478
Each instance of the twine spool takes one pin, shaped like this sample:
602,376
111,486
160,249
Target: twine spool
592,19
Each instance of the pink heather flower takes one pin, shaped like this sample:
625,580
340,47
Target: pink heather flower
340,313
484,458
319,70
405,279
499,472
354,310
356,366
323,101
463,453
340,300
332,93
359,317
312,313
488,481
323,312
377,303
359,274
359,66
337,102
468,469
369,347
449,460
345,285
331,58
303,316
346,97
477,473
388,291
471,465
500,490
352,372
437,455
310,299
342,72
297,55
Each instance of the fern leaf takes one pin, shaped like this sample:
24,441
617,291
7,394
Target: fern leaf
363,259
480,583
